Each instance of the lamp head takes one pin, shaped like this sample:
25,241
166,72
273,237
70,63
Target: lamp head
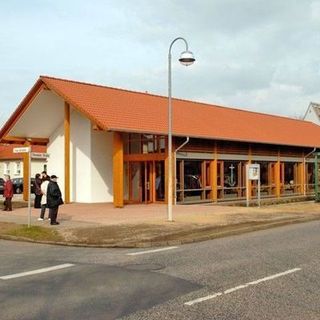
187,58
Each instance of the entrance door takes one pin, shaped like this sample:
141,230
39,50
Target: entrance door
140,182
146,181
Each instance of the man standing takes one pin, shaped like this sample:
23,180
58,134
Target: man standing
7,193
54,199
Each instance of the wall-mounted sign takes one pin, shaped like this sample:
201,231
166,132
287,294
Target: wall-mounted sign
39,155
21,150
254,171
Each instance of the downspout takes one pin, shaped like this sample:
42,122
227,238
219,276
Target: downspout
304,170
175,168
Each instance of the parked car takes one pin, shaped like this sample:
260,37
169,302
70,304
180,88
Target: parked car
18,185
1,185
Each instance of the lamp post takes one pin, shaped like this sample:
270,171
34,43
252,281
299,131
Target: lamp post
186,58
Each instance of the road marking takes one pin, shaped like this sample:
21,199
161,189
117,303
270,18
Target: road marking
190,303
212,296
43,270
150,251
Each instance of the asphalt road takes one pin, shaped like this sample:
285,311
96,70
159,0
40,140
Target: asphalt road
271,274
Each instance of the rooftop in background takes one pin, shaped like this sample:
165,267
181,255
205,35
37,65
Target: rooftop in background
123,110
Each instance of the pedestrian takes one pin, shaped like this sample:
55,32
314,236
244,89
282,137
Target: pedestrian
7,193
44,187
44,176
37,191
54,199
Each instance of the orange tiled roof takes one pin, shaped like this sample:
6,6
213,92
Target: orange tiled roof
123,110
6,151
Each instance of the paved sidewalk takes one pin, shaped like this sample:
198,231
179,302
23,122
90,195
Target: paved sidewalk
104,214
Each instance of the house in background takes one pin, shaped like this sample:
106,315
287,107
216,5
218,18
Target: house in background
12,163
110,145
313,113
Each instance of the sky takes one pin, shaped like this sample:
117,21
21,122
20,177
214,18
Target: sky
251,54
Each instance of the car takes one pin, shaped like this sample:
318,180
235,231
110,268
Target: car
18,185
1,185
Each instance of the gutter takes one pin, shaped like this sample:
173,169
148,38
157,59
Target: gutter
175,167
304,170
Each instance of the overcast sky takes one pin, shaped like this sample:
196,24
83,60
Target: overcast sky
251,54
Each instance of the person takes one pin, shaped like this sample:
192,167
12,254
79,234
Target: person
44,176
37,191
7,193
44,187
54,199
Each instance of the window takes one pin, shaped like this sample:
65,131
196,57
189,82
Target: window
135,143
17,168
193,180
6,168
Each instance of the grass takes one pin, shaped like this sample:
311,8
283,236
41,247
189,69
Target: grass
33,233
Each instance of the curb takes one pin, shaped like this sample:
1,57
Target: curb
237,230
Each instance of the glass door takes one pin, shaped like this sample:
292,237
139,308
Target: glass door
146,181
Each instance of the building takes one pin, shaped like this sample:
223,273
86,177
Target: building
110,145
313,113
12,163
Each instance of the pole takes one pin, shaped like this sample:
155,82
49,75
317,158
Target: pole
316,177
170,218
247,184
259,186
29,191
170,184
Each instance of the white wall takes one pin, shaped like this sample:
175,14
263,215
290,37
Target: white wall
41,118
101,166
80,162
55,149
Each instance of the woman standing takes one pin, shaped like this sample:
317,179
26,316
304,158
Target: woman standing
7,193
44,187
37,191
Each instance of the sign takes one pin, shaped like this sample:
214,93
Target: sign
254,171
39,155
21,150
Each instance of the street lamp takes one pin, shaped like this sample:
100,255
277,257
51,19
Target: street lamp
186,58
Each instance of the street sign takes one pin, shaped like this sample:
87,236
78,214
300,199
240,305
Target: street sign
254,171
21,150
39,155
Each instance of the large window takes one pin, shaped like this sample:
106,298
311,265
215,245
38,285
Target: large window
310,177
233,179
266,179
289,177
193,180
136,143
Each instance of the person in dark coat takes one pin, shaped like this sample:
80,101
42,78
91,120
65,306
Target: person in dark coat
37,191
7,193
54,199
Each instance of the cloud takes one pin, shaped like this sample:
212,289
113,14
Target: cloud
258,55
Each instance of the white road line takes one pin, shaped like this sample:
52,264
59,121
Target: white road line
190,303
212,296
236,288
43,270
274,276
150,251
